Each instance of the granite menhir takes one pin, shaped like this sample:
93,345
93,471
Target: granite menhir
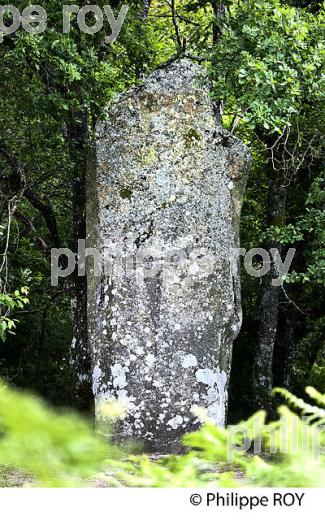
164,190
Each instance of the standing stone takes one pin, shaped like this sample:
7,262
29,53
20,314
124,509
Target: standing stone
165,190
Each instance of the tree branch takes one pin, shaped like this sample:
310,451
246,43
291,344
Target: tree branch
17,180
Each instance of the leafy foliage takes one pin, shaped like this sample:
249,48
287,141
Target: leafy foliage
52,449
270,62
287,452
8,303
61,450
309,227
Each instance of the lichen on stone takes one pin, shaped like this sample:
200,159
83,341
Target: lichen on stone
166,182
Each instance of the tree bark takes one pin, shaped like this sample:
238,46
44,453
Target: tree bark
146,9
219,10
269,301
80,353
285,347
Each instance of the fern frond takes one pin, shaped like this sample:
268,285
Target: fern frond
314,412
317,396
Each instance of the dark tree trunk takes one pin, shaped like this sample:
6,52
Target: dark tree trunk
80,353
219,10
269,301
146,9
285,347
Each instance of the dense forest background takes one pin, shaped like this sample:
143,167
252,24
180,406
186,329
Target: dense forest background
265,61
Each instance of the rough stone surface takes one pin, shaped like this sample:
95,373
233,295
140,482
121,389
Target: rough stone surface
165,189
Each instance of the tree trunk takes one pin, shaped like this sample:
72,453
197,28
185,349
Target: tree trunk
285,347
80,353
219,10
269,301
146,9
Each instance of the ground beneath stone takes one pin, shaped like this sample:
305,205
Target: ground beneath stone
16,479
